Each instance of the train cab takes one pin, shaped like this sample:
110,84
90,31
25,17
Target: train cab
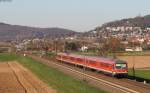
120,68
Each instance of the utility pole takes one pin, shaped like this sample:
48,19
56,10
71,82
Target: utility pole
84,71
133,68
55,46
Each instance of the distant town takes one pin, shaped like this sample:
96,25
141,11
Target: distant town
131,34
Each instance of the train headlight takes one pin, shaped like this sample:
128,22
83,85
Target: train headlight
114,73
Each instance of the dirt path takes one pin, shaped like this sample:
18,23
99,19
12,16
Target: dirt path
14,78
8,81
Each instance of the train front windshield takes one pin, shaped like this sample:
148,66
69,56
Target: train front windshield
121,66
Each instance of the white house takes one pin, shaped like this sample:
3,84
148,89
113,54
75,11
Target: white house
138,49
84,48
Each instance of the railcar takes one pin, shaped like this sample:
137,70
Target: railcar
113,67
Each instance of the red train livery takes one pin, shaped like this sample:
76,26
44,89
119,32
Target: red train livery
114,67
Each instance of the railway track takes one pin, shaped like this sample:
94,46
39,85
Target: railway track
121,88
103,83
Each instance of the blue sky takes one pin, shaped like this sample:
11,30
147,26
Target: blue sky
78,15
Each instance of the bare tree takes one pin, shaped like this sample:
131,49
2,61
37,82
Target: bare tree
110,45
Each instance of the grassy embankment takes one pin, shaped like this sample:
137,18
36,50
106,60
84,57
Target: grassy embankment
140,75
56,79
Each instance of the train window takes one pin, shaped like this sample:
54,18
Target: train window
105,65
79,59
121,66
72,58
65,57
92,61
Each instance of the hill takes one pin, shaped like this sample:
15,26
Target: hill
125,28
13,32
138,21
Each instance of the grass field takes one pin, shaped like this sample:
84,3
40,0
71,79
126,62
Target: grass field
56,79
145,74
8,57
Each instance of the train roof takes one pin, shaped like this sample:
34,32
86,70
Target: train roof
93,58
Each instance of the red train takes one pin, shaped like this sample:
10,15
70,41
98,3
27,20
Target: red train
114,67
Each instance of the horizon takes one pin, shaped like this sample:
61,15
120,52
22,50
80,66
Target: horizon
76,15
66,28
